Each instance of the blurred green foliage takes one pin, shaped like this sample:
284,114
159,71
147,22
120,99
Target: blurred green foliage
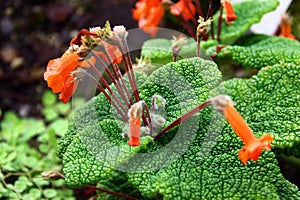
28,148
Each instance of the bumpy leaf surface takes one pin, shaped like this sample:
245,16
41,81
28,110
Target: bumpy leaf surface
257,51
210,168
199,158
270,102
248,12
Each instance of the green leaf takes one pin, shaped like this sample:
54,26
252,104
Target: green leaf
40,181
198,159
31,128
20,186
49,193
49,114
60,126
48,98
63,108
217,173
248,13
257,51
35,193
159,50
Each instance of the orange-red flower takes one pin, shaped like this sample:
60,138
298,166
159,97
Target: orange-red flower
253,146
58,75
285,27
135,114
148,13
185,8
135,132
230,15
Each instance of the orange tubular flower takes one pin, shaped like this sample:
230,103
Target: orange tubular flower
148,13
285,27
58,75
253,146
185,8
230,15
135,114
135,132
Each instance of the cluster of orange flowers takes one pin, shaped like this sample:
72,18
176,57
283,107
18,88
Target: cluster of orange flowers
61,73
149,13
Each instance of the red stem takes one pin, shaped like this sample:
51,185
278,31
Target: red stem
190,10
149,119
107,86
127,102
187,25
198,7
209,14
125,118
182,118
220,23
132,78
115,82
110,192
198,47
124,85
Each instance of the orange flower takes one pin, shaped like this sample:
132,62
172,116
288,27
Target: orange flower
285,27
58,75
185,8
68,89
135,114
135,132
230,15
253,146
148,13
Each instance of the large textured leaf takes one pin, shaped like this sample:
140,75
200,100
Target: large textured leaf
93,144
249,12
257,51
94,140
199,159
210,168
270,102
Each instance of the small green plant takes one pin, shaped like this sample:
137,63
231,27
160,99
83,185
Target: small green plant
28,148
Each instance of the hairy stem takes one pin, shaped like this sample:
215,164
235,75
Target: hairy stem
187,25
198,8
124,116
190,11
113,79
183,118
107,85
220,23
149,118
209,14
